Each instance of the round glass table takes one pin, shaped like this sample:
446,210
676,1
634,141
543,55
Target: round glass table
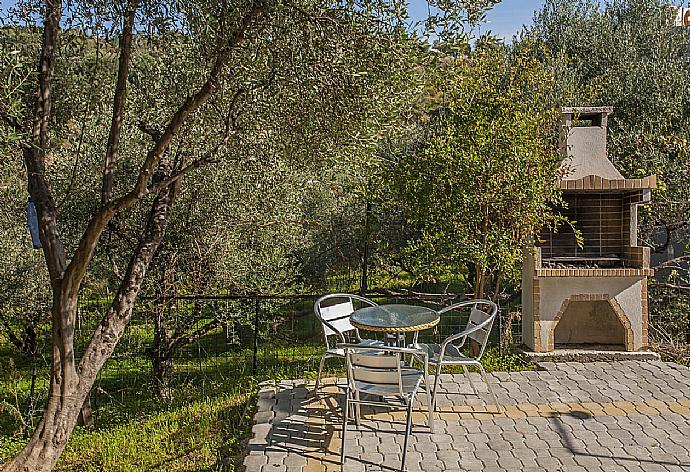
394,319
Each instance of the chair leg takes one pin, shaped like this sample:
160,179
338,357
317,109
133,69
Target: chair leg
469,379
491,390
429,399
358,410
437,377
346,413
408,430
318,376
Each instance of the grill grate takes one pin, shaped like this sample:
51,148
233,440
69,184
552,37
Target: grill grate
600,219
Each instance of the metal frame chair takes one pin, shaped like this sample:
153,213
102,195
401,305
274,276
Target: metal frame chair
380,371
335,321
448,352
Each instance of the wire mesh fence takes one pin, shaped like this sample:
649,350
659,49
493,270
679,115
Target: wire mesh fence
207,342
669,314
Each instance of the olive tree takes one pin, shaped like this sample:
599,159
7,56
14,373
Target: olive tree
484,177
234,72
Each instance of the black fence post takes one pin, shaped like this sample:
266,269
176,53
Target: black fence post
364,281
500,327
256,335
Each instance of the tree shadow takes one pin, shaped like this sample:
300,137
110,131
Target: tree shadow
567,440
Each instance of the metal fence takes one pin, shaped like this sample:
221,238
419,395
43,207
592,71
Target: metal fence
254,338
261,335
669,314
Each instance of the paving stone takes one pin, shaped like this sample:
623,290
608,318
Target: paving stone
254,462
472,465
273,467
619,416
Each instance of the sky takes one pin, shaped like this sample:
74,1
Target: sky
504,20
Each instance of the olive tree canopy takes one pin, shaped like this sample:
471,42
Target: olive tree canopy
130,98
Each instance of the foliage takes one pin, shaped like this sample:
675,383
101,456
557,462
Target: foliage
485,177
629,55
23,278
494,361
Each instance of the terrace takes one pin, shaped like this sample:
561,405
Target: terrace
627,416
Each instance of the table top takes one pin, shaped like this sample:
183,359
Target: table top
394,318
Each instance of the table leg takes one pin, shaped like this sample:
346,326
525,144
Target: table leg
395,339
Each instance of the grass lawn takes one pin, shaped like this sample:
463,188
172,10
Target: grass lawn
200,429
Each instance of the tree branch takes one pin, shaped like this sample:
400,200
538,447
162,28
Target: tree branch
34,151
189,106
111,154
115,320
195,164
197,333
88,241
672,262
684,288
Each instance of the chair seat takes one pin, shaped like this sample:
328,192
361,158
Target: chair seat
411,380
451,356
365,342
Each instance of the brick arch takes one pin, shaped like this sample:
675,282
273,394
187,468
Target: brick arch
593,297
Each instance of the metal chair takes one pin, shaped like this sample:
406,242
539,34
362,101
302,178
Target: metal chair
449,351
380,372
335,321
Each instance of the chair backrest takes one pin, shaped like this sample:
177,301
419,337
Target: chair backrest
337,316
483,319
335,319
374,367
477,317
479,323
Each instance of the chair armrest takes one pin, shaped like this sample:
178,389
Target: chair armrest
465,333
346,295
476,301
401,350
363,299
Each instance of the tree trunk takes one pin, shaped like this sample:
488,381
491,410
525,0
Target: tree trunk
69,386
65,399
51,434
162,374
479,281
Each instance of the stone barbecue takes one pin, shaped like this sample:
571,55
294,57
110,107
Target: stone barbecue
590,293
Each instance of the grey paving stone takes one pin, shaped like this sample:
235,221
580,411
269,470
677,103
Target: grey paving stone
283,438
273,467
472,465
486,454
255,461
510,463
